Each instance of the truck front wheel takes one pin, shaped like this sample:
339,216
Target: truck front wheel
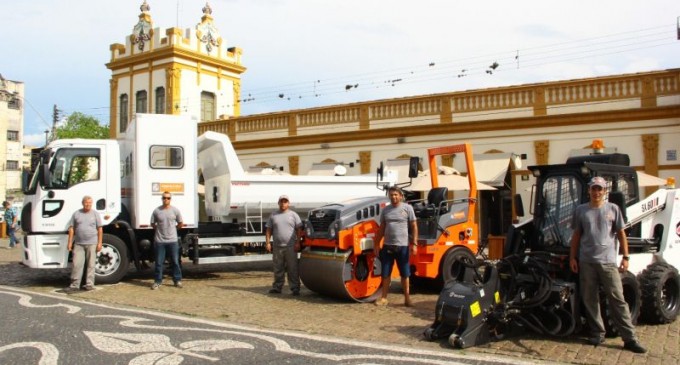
112,261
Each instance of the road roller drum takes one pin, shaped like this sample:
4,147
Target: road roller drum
341,274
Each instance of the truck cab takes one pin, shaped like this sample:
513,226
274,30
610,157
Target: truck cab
68,170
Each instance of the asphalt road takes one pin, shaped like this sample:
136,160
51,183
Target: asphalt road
47,329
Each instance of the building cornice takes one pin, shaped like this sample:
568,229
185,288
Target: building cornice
170,52
571,120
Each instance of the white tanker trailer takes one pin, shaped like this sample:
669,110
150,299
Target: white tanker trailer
126,178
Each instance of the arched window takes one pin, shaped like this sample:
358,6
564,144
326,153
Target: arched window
160,100
207,106
140,102
123,112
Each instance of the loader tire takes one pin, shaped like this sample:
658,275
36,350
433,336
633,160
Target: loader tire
112,261
660,285
632,295
455,264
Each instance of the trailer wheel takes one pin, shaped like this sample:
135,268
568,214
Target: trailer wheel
632,295
660,293
112,261
455,263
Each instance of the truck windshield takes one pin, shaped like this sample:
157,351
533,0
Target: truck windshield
71,166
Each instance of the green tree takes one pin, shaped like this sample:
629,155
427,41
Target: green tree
79,125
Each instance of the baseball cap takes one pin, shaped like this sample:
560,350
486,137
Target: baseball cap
598,181
282,197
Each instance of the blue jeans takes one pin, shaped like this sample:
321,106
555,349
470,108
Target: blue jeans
161,251
12,238
389,254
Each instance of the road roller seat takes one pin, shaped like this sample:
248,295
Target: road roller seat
435,205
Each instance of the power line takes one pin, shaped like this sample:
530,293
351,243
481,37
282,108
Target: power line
441,70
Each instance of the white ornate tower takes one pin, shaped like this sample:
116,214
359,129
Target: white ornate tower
190,72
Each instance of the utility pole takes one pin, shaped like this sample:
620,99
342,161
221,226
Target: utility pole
55,119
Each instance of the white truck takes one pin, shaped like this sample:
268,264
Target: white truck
126,178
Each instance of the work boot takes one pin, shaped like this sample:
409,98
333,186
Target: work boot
274,291
634,346
71,290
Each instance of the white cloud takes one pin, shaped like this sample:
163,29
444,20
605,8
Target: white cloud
34,140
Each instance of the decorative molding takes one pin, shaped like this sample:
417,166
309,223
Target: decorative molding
294,164
237,97
541,149
172,52
529,123
173,96
447,160
206,32
650,148
365,161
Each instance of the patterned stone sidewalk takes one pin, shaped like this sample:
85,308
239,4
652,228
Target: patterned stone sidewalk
239,294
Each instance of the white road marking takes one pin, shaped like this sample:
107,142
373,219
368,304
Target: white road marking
50,354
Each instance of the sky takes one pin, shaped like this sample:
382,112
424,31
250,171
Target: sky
311,53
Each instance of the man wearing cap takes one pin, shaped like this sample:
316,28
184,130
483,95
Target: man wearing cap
597,225
285,227
397,220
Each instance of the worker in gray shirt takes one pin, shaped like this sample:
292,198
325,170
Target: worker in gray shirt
84,241
285,227
166,220
597,225
396,220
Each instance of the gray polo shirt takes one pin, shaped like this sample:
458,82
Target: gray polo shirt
85,227
598,228
396,220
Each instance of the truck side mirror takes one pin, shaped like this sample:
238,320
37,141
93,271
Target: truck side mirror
413,167
45,175
380,172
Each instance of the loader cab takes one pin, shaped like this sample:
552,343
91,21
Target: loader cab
560,189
